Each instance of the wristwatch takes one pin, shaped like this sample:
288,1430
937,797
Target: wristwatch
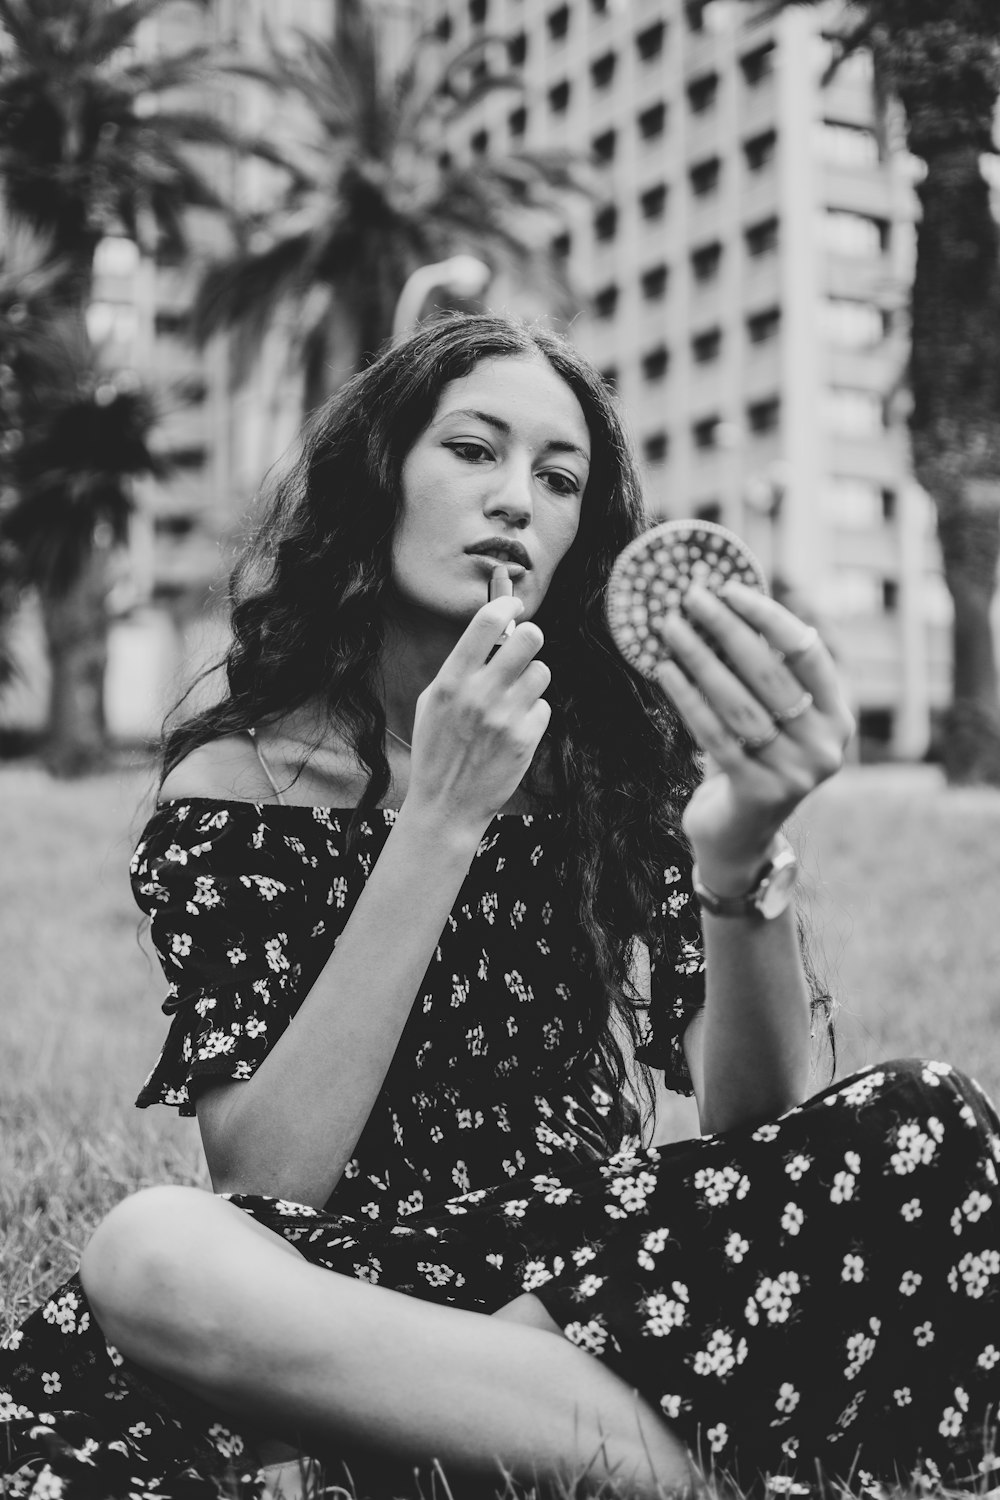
768,896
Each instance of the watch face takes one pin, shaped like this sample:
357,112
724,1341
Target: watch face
778,892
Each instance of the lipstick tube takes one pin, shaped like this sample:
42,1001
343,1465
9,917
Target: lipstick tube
501,587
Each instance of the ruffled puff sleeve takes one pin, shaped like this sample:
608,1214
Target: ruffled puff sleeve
225,907
676,977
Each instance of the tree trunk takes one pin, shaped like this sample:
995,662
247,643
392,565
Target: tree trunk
76,629
352,335
970,545
955,425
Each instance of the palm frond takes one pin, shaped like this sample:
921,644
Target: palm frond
372,198
355,40
847,43
29,271
472,212
110,27
466,59
247,289
190,127
771,9
563,172
87,441
170,192
318,76
29,24
157,75
17,22
139,161
456,107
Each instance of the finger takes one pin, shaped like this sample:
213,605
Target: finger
481,635
799,686
734,704
508,660
761,677
804,656
529,686
711,733
536,721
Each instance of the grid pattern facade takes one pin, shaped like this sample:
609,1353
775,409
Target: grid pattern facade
745,267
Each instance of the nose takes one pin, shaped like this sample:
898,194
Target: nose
512,498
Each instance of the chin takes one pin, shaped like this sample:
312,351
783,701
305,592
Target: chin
452,605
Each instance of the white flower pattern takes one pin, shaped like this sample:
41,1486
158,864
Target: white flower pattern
485,1170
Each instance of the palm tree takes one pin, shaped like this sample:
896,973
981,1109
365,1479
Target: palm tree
941,60
373,194
86,440
29,277
91,145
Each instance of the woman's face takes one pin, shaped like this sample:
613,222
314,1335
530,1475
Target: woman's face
498,474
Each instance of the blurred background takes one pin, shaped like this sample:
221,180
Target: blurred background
774,228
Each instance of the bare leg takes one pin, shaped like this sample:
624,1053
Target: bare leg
530,1313
181,1285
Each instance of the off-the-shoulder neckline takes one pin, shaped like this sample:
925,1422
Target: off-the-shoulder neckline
312,807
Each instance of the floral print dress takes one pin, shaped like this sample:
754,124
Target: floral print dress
822,1289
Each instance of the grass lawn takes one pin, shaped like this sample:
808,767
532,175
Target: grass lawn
81,1027
903,881
902,888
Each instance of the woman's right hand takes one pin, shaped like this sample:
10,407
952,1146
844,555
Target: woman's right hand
479,722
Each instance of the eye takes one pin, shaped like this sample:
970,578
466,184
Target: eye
470,452
561,483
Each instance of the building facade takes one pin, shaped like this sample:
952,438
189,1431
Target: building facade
743,267
746,267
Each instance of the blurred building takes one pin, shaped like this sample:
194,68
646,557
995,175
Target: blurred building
747,267
745,270
221,434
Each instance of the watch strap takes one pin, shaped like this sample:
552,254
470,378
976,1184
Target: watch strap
750,903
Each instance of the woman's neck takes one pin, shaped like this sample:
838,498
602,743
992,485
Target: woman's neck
409,662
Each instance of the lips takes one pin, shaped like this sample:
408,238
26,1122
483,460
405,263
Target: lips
504,549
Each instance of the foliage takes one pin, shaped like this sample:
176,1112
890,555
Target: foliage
28,278
96,139
90,142
73,437
74,470
372,194
940,59
93,142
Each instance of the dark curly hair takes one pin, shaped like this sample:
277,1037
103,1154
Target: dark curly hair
307,625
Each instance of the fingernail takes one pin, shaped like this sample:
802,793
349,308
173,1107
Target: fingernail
670,624
702,598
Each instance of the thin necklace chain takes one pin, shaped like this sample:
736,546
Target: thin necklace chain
399,737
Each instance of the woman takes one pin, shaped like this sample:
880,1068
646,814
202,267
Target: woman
395,877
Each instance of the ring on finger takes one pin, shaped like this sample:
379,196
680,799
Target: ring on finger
753,745
795,711
806,644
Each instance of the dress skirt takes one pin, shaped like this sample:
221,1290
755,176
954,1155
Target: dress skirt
819,1295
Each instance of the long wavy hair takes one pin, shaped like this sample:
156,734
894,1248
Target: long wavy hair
307,625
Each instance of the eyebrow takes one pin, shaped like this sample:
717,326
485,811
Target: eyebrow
555,445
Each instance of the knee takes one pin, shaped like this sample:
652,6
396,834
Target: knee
138,1267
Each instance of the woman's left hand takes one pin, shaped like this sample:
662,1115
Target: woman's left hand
772,717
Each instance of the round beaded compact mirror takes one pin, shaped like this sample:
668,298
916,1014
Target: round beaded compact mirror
654,572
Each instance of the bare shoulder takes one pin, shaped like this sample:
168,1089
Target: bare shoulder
226,769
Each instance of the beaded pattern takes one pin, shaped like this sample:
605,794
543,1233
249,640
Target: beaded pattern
655,571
